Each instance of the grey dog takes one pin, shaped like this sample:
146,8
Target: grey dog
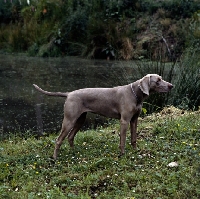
121,102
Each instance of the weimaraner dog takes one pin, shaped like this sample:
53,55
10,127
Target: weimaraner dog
121,102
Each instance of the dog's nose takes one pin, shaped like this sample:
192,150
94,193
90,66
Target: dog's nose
170,86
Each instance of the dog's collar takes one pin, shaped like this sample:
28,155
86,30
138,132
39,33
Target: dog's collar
134,92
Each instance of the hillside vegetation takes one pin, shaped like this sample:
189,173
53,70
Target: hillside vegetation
115,29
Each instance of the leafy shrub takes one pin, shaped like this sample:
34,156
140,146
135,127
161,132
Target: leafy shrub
177,8
9,11
33,50
165,23
73,30
74,24
194,25
183,8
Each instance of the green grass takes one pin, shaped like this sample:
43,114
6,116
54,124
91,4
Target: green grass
93,169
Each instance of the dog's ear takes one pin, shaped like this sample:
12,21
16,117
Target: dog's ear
144,84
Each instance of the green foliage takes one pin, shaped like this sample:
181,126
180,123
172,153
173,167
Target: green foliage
9,11
183,74
93,170
194,27
183,8
74,25
186,79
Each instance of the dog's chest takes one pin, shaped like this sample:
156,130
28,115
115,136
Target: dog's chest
137,109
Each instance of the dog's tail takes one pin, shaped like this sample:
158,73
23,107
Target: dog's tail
59,94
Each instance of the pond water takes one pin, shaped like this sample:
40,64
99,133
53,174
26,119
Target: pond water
23,109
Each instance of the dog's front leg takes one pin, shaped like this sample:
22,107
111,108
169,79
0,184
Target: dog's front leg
123,129
133,128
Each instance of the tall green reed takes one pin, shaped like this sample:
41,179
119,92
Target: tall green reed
183,74
186,93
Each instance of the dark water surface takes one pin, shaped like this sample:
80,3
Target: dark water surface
23,109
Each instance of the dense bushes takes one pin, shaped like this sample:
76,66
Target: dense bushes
177,8
98,28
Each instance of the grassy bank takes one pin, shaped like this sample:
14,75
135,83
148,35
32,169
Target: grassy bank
93,169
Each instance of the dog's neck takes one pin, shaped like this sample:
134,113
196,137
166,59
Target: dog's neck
137,92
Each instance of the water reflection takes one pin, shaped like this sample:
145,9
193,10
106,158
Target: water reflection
24,109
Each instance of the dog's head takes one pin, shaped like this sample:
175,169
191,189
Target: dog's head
154,83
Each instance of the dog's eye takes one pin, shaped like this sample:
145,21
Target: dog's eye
158,81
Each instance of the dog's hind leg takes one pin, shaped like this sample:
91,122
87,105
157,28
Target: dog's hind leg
80,121
67,127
